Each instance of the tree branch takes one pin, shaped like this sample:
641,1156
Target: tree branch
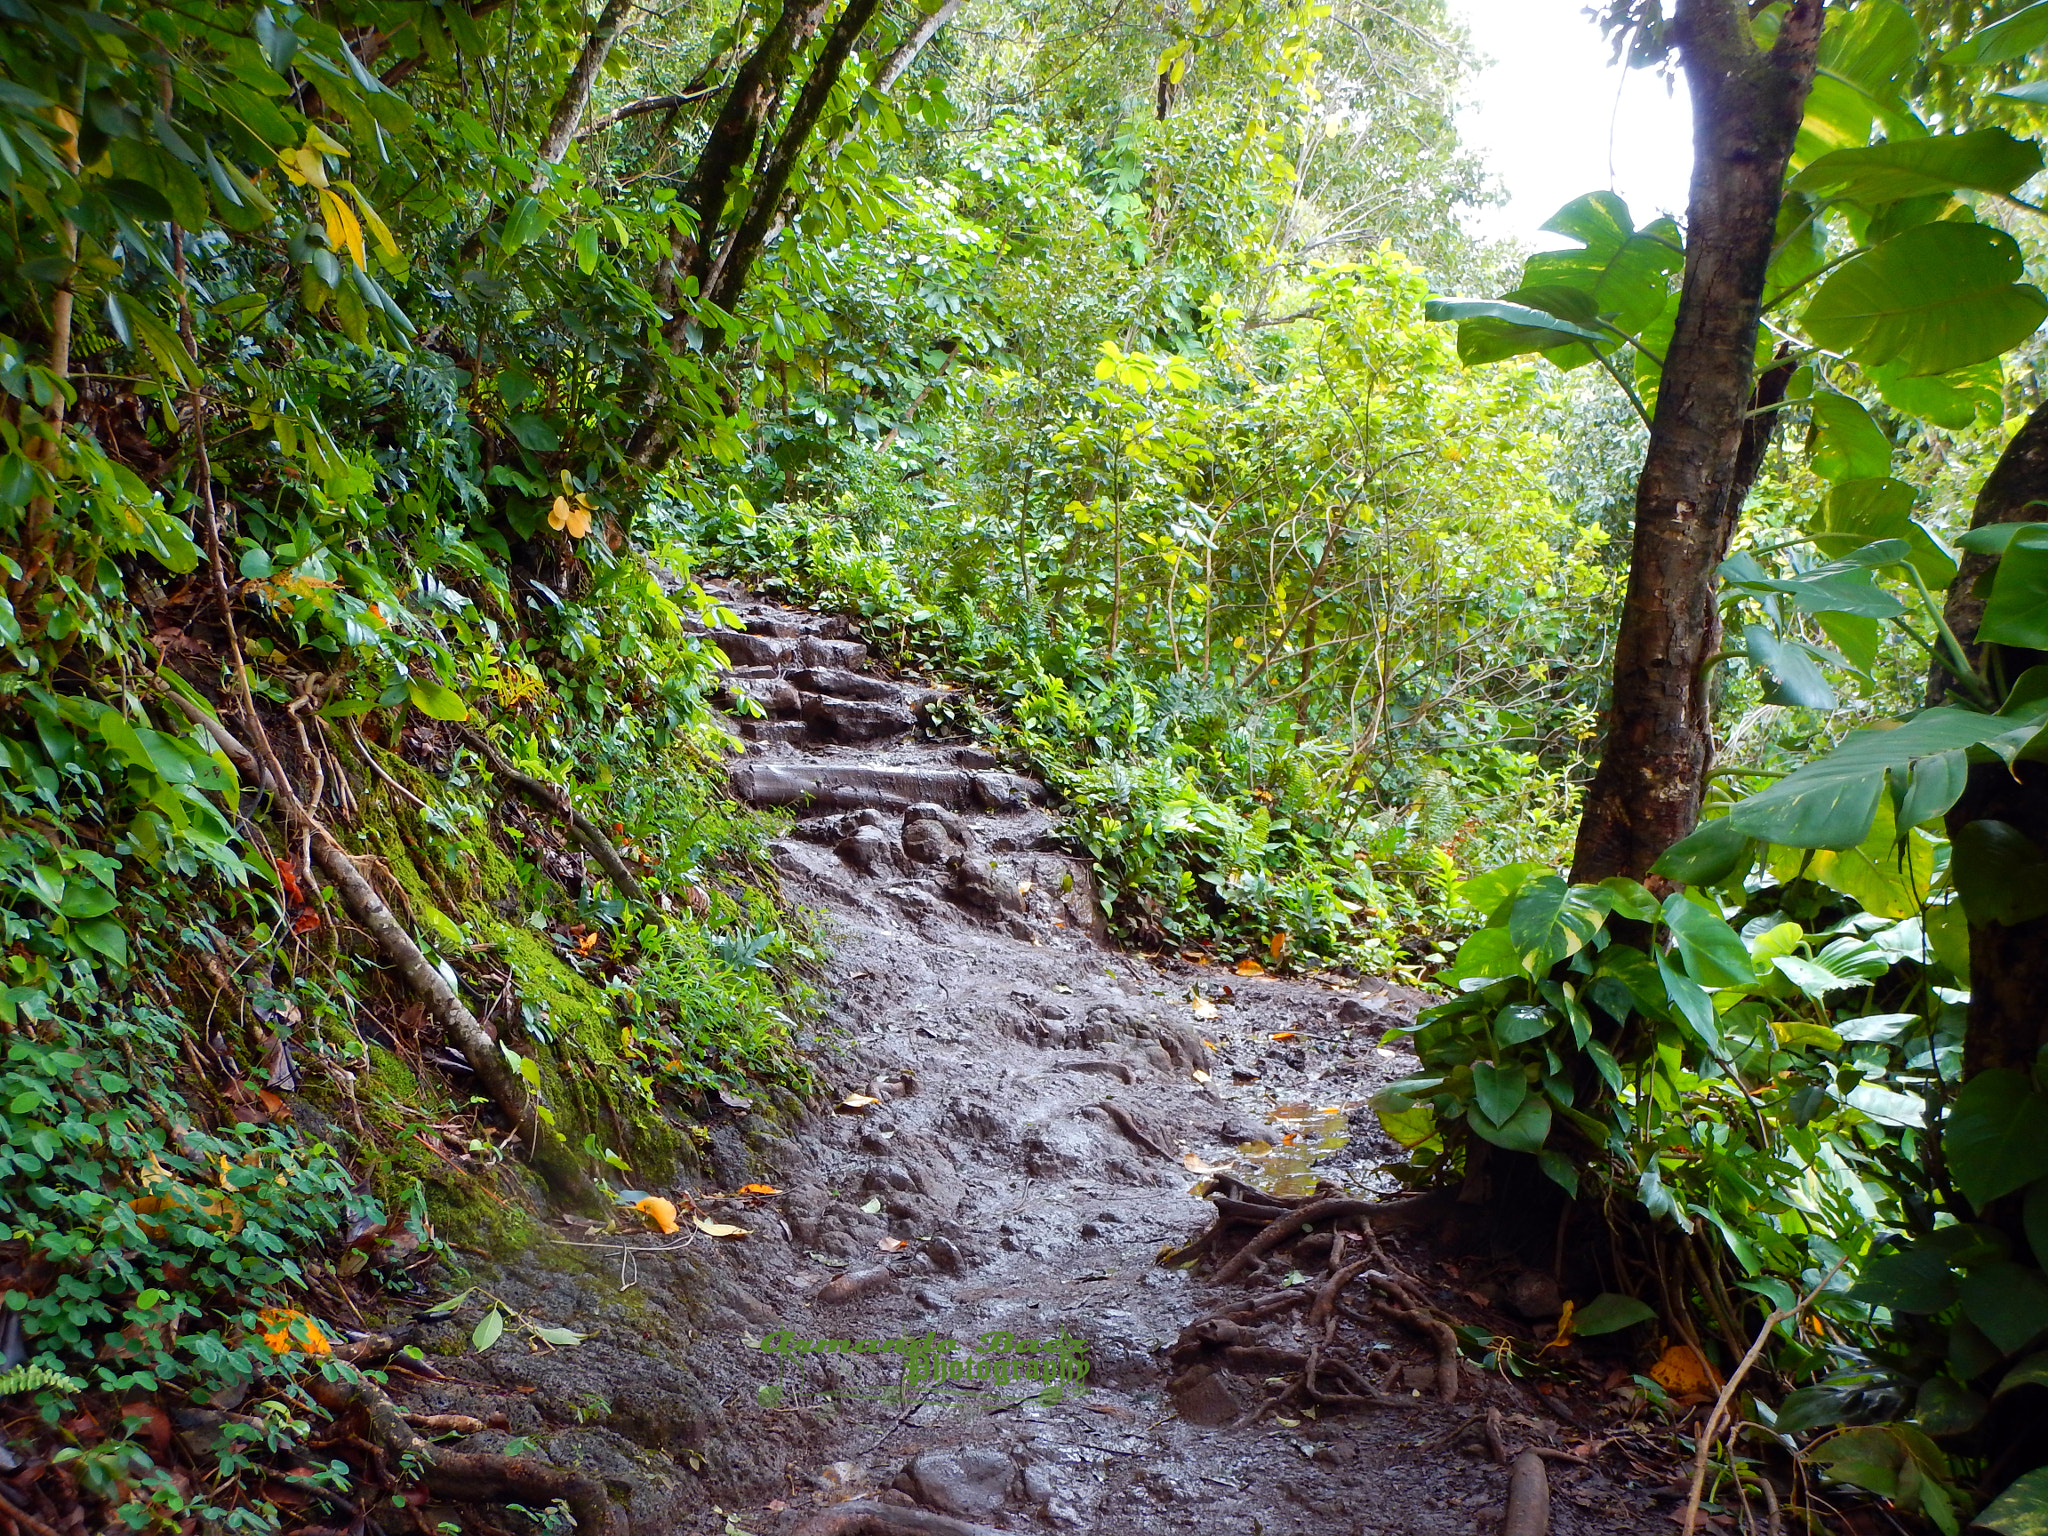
611,24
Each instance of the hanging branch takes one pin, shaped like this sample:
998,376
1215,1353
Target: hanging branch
555,798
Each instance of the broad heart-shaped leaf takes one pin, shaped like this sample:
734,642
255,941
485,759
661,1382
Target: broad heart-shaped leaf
1498,1091
1714,953
2014,37
1490,890
1885,877
524,224
1860,512
2009,1302
1552,921
1491,329
1848,444
2018,611
2000,873
2030,1372
1791,674
1525,1131
1997,1135
2022,1510
1712,853
1629,286
1916,1280
1932,299
1988,160
1949,400
1831,802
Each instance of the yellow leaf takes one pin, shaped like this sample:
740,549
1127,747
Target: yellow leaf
1201,1076
717,1228
304,166
344,234
1194,1162
1285,1034
1204,1009
579,518
759,1189
857,1101
1277,943
558,515
1564,1328
1249,967
659,1212
376,225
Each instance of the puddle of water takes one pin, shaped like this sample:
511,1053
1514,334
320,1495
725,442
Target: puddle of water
1304,1134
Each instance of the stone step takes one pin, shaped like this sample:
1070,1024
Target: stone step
849,722
855,787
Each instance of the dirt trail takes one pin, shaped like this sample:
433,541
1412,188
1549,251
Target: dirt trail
1023,1098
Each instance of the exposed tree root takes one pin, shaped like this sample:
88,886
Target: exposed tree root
555,798
469,1478
865,1517
1528,1511
559,1168
1122,1120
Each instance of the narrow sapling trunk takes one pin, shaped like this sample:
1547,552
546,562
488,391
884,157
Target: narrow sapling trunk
1747,103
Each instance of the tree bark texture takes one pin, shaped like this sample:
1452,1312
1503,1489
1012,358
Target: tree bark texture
2008,1020
1747,103
568,113
728,275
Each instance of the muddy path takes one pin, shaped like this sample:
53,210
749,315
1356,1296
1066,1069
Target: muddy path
1020,1125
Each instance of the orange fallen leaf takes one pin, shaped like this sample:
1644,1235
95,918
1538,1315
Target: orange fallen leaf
1681,1372
1277,943
286,1329
759,1189
1285,1034
1249,967
659,1212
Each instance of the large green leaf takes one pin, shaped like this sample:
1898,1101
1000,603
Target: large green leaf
1713,852
1870,44
1917,1279
1831,802
2009,1302
1949,400
1791,673
2014,37
1848,444
2018,611
2022,1510
1836,586
1997,1136
1525,1131
1552,921
1498,1091
1987,160
1888,875
1491,329
1933,299
1689,1003
1610,1313
1714,953
1860,512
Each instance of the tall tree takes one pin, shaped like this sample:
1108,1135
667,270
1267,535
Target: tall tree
1747,100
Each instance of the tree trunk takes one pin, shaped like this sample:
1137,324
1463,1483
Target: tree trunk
728,274
611,24
2008,1024
1747,103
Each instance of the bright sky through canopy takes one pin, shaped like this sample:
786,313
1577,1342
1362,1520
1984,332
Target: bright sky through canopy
1544,116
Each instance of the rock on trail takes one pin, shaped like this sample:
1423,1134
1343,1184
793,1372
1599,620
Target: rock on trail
1025,1106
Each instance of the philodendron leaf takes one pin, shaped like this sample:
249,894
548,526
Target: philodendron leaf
1714,953
2012,37
1713,853
2017,613
1988,160
1525,1131
1831,801
1791,674
1996,1140
2022,1510
1933,298
1498,1091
